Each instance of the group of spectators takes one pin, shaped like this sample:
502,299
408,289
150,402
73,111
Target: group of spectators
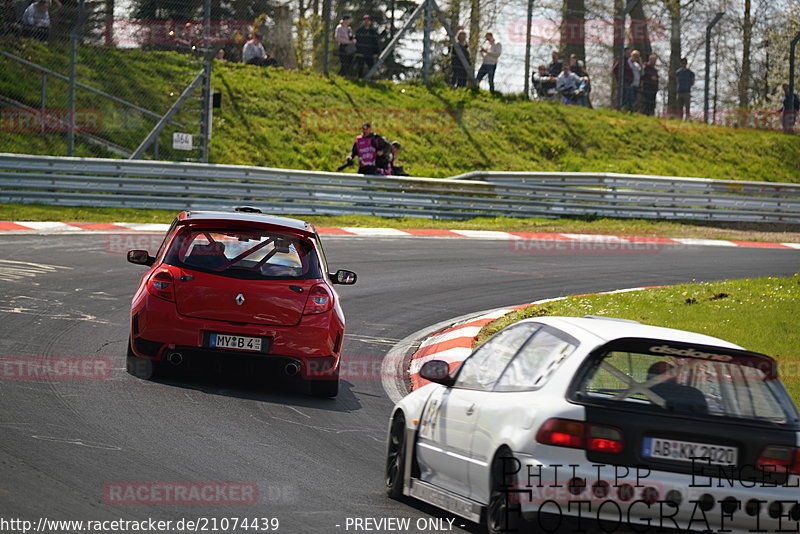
568,82
361,47
640,83
490,52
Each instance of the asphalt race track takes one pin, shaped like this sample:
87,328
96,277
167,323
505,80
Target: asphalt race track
315,463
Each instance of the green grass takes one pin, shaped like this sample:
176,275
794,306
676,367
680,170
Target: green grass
301,120
759,314
629,227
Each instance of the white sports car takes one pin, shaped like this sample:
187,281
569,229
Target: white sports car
558,420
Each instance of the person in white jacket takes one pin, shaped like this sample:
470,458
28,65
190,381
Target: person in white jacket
490,53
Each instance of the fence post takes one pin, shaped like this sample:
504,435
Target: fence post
42,103
426,45
790,96
73,58
207,93
708,64
326,39
528,29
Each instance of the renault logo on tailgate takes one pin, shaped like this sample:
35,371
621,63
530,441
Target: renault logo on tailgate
239,299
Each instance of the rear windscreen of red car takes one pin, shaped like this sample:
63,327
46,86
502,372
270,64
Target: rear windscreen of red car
245,254
243,276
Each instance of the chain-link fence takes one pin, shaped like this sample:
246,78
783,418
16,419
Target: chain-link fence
85,71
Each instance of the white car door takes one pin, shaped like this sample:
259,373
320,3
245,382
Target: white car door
510,404
448,421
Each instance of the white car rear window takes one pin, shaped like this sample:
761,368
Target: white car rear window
686,385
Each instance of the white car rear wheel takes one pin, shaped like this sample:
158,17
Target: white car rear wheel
395,457
502,516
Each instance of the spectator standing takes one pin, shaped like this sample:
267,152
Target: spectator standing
635,62
459,72
544,83
576,66
490,53
36,20
370,149
584,89
347,44
685,79
627,80
567,84
367,46
791,105
253,52
184,38
649,86
554,68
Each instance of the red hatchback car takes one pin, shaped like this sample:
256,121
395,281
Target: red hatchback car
239,285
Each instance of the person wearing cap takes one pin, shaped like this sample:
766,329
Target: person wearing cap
347,44
367,46
490,55
370,149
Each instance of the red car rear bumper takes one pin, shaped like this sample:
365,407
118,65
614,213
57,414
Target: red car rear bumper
315,343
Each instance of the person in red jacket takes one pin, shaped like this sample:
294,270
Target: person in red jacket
370,149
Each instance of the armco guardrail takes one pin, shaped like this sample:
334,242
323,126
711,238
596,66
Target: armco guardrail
168,185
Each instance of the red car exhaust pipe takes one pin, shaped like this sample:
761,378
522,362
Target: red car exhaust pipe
175,358
291,369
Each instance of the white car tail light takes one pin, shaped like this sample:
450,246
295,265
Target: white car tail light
779,459
578,435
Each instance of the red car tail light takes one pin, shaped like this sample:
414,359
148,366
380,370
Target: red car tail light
577,435
604,439
161,285
779,459
319,300
562,433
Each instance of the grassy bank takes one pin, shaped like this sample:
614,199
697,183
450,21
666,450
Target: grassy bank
624,227
758,314
302,120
